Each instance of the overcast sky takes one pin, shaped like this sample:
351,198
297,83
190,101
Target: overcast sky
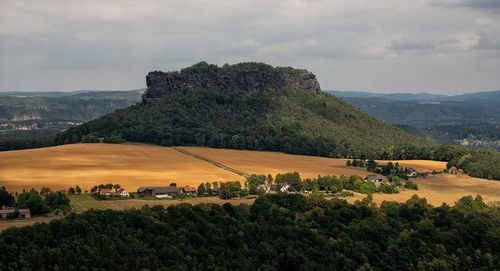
437,46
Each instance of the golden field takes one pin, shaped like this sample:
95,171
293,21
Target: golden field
263,162
141,165
87,165
445,188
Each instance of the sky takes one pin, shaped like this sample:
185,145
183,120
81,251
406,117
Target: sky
435,46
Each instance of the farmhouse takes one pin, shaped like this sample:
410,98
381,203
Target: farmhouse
375,178
453,170
157,191
411,172
121,193
106,192
23,213
189,190
279,188
215,190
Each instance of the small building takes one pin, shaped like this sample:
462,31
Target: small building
411,172
279,188
215,190
453,170
158,191
122,193
23,213
375,178
189,190
105,192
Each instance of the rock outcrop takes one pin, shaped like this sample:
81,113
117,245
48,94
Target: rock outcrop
248,77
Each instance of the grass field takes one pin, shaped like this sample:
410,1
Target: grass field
85,202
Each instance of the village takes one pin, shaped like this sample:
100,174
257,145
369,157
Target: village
263,185
386,178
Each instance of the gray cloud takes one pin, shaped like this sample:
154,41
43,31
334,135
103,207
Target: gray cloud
405,44
481,4
353,45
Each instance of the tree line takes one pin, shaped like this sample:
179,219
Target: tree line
38,202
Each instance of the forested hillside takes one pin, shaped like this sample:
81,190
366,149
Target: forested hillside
278,232
471,119
246,106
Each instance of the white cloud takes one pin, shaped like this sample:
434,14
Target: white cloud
467,41
483,21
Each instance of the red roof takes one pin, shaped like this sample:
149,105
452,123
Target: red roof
189,189
105,190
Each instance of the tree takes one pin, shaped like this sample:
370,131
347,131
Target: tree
411,185
254,181
116,187
90,138
57,200
290,178
208,188
269,179
114,139
44,191
202,189
229,190
394,179
33,201
6,198
173,184
243,193
78,190
94,189
71,191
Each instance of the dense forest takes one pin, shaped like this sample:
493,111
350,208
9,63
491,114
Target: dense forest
277,232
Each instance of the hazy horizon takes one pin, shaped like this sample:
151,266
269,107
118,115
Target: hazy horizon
424,46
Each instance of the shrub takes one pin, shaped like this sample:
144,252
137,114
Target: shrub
411,185
90,138
113,139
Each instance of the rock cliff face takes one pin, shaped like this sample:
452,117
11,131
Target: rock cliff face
248,77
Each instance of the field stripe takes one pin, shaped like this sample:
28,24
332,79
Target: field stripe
213,162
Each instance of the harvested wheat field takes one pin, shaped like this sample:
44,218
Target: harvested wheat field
87,165
262,162
141,165
445,188
419,165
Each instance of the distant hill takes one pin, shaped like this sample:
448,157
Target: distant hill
472,119
33,114
391,96
245,106
467,97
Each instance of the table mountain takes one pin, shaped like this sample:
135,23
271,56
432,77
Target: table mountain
246,106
